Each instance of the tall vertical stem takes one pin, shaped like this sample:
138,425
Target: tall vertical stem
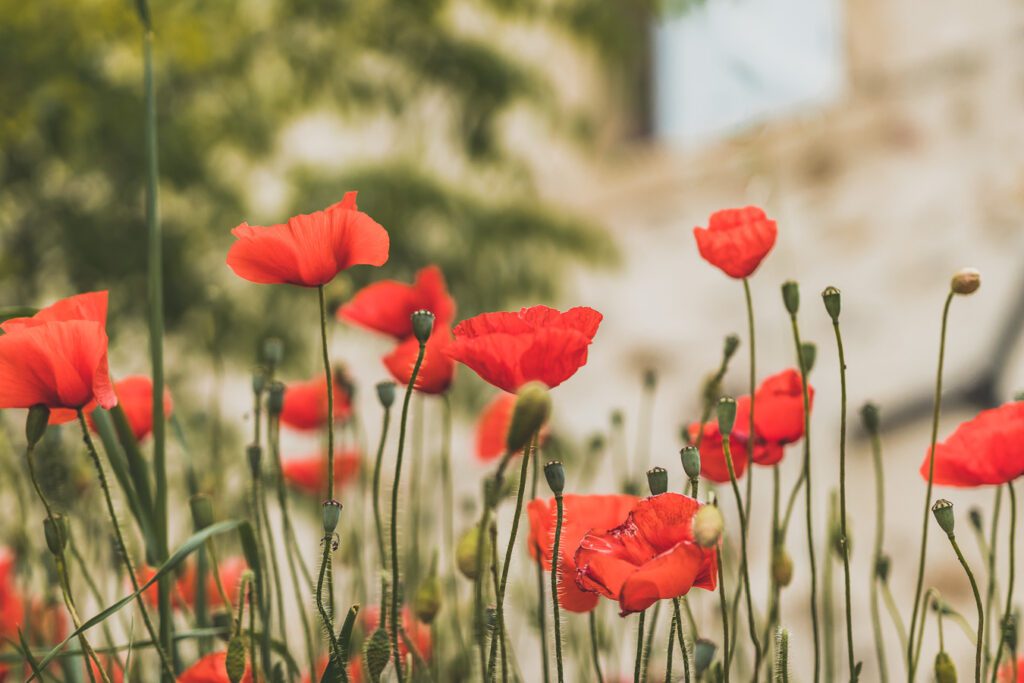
844,541
595,655
638,662
329,376
555,561
541,603
981,609
876,555
377,519
1007,611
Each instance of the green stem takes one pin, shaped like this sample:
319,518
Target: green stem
555,562
988,551
639,647
672,643
595,655
752,437
329,376
876,556
680,636
325,615
724,610
499,636
415,478
377,519
448,507
897,620
928,495
650,640
541,602
263,530
1009,588
977,600
65,589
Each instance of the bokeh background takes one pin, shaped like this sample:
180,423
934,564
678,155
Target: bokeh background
560,152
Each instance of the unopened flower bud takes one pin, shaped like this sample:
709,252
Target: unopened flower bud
791,296
943,512
235,661
386,393
707,526
726,415
833,302
532,409
422,325
808,355
376,653
427,601
466,550
882,568
617,418
254,454
703,654
965,281
974,515
275,399
782,567
250,546
870,418
1010,632
202,511
331,515
273,351
35,424
732,342
691,461
650,378
657,480
596,443
945,671
56,531
555,474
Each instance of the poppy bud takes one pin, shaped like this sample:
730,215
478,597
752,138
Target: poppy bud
259,380
943,512
331,515
707,526
465,552
56,531
555,474
650,378
657,480
791,296
833,302
422,325
533,406
202,511
691,461
376,654
808,354
235,661
703,654
732,342
882,568
386,393
1010,632
617,418
250,547
966,281
596,443
427,601
726,415
255,455
974,515
945,671
275,399
869,417
782,567
273,351
35,424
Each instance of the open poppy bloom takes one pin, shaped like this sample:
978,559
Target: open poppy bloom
1012,671
580,514
57,358
778,416
310,249
305,403
538,343
418,632
736,240
308,474
213,668
651,556
712,456
135,396
437,368
987,450
387,306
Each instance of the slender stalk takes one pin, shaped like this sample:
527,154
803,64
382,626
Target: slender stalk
876,555
499,636
672,643
377,519
724,610
988,551
828,592
541,602
448,507
680,636
415,478
928,495
595,655
325,614
1007,611
977,600
650,640
65,588
329,376
555,562
753,391
897,620
639,647
395,586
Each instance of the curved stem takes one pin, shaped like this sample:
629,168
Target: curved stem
876,556
897,620
594,650
928,495
1007,611
377,519
980,606
724,609
324,613
555,561
988,551
541,602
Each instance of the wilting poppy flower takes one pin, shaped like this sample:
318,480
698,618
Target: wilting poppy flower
11,611
418,632
309,474
987,450
387,306
736,240
305,403
437,368
212,669
650,557
57,358
310,249
135,396
712,456
580,515
538,343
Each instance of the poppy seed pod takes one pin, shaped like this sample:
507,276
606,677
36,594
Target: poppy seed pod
235,661
55,530
945,671
726,415
202,511
657,480
386,393
808,355
35,423
732,342
427,601
791,296
422,325
555,474
782,567
833,302
376,653
870,418
691,461
275,398
703,654
273,351
331,515
707,526
965,281
254,454
943,512
531,411
465,552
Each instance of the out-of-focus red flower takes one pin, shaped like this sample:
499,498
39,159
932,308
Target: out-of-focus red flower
305,403
987,450
537,343
310,249
57,358
778,416
651,556
736,240
212,669
1012,671
115,674
12,612
580,515
355,669
387,306
418,632
492,427
135,396
437,368
309,474
230,572
712,457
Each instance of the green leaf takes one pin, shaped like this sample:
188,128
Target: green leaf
333,673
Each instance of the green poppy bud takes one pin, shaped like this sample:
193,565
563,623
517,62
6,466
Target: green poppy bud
707,526
943,512
791,296
254,453
426,603
465,552
974,515
555,474
376,654
250,547
703,654
945,671
235,662
869,417
273,351
275,399
965,281
657,480
56,532
726,415
331,515
882,568
782,567
259,380
386,393
533,406
1010,632
202,511
35,424
691,461
422,325
808,355
732,342
833,302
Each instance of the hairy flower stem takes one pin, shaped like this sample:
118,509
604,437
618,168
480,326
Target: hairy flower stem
805,479
377,519
744,567
724,611
595,656
897,620
650,640
259,508
988,551
325,613
499,636
876,556
978,603
753,390
329,495
676,633
396,617
928,494
122,548
448,507
541,602
555,562
60,562
490,498
638,662
1007,611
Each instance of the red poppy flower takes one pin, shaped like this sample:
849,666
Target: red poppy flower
115,674
57,358
310,249
212,669
580,514
778,416
984,451
538,343
712,457
437,369
387,306
492,428
418,632
305,403
1012,671
650,557
736,240
11,610
135,396
309,474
